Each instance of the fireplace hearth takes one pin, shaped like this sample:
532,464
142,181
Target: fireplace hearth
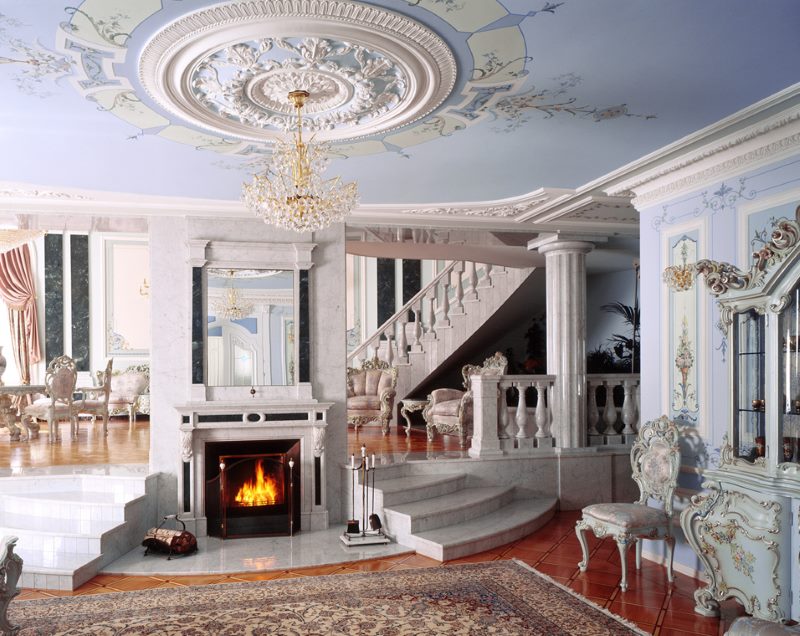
252,488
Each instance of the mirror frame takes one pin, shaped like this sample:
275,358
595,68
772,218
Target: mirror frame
296,257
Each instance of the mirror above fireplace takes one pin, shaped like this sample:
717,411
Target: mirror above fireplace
250,327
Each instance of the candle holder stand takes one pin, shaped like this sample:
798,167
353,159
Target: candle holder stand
356,532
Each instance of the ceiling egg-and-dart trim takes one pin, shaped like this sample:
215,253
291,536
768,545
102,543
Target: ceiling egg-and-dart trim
228,68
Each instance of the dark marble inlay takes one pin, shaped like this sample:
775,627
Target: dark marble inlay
280,417
186,419
53,296
198,326
386,289
187,486
303,332
79,295
317,481
412,282
253,417
238,417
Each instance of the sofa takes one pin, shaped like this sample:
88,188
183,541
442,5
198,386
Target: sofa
129,388
449,411
371,393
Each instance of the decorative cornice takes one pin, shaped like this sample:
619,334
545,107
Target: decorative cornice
40,194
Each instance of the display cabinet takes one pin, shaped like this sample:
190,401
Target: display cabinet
743,527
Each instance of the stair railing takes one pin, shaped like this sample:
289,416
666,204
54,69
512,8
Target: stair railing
444,296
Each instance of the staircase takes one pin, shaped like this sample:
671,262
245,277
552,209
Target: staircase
71,526
446,313
443,516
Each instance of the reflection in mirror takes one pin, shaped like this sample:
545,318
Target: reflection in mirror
250,334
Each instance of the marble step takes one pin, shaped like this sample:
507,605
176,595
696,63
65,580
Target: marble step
124,487
402,490
66,540
447,510
72,507
509,523
55,570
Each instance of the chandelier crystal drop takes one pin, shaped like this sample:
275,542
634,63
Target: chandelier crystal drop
293,193
232,306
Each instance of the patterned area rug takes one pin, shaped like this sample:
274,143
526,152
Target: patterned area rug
500,597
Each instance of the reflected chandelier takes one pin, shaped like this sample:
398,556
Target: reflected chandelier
292,192
232,306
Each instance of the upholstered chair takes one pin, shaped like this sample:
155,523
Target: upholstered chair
59,382
127,388
95,399
371,393
449,411
655,460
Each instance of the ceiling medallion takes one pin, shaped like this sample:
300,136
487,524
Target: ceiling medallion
228,68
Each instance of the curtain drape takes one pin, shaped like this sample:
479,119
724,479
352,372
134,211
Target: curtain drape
18,291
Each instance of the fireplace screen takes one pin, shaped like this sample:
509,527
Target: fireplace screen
251,493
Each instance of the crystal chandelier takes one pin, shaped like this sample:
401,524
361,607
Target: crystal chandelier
232,306
292,193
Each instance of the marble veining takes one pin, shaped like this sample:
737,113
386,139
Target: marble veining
53,295
79,293
386,289
198,317
304,340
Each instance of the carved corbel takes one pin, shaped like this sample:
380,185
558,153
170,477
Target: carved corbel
319,440
186,446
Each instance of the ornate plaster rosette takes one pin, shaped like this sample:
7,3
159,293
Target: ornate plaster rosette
228,69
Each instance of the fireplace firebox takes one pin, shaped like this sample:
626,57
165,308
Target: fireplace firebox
252,488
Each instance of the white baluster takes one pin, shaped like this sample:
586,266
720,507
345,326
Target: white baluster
416,346
592,415
402,342
389,348
522,412
628,409
609,412
472,282
432,323
444,305
502,404
458,295
486,281
542,417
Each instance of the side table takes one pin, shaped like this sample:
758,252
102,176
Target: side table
408,406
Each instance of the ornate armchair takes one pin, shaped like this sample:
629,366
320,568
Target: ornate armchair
371,393
655,460
59,382
95,399
127,390
10,572
450,410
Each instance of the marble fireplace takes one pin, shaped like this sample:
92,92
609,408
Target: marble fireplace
271,431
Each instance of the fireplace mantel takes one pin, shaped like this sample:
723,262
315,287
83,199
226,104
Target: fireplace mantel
206,421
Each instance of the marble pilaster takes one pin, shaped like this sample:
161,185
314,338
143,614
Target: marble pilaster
565,267
485,441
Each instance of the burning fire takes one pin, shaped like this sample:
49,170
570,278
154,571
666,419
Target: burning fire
262,492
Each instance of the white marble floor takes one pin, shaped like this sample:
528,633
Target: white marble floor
253,555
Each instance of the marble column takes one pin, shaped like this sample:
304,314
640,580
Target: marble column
565,275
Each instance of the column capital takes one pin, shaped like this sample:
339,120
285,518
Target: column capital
575,243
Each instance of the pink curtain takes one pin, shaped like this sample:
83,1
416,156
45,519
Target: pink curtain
19,293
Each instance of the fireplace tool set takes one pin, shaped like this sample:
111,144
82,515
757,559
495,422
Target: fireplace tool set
357,532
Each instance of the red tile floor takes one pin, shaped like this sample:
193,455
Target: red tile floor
652,603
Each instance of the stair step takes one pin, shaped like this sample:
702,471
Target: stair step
43,569
450,509
507,524
415,487
62,540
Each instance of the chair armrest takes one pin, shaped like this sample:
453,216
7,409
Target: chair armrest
443,395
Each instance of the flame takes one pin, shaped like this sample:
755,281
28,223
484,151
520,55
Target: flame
262,492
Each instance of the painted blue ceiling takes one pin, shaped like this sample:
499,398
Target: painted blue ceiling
604,82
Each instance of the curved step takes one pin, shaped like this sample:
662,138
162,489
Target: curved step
450,509
509,523
415,487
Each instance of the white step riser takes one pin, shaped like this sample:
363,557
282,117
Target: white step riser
17,508
45,579
124,488
402,524
424,492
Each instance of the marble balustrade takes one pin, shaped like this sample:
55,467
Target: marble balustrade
448,294
610,420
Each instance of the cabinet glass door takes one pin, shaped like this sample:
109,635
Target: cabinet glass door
750,428
789,380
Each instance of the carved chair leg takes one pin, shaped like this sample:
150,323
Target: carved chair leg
131,416
105,424
670,541
52,427
622,546
73,427
431,430
638,554
580,530
385,423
